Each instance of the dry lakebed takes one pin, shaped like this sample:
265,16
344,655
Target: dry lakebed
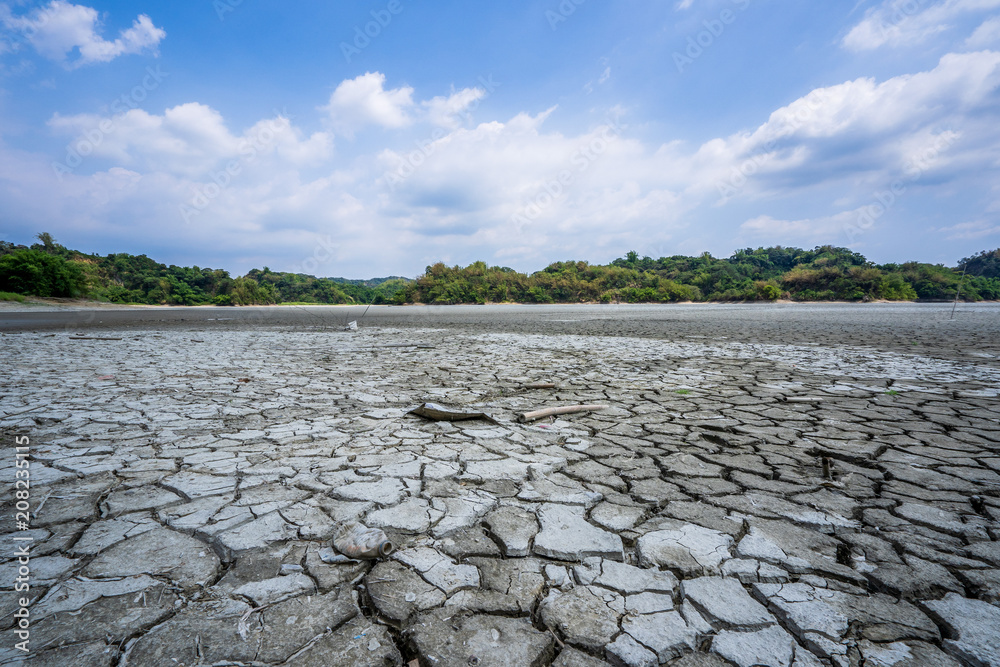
781,485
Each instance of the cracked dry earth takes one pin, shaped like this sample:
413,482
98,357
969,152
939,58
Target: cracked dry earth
736,504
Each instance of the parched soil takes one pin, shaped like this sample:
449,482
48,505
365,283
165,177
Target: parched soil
780,485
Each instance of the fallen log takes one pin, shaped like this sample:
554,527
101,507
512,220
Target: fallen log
564,410
436,412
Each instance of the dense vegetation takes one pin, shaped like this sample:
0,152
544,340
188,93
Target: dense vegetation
762,274
300,288
49,269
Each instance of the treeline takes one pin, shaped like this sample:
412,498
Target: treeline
825,273
49,269
300,288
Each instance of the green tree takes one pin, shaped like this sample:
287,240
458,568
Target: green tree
985,264
48,243
40,274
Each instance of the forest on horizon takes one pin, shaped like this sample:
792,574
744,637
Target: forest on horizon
825,273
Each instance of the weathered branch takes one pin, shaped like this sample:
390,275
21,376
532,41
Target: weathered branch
565,410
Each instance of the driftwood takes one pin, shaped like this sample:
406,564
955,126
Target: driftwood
91,338
422,346
439,413
540,385
565,410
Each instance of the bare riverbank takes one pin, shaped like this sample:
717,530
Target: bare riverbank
923,328
793,485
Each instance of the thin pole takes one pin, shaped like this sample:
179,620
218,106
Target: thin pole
369,306
958,291
366,309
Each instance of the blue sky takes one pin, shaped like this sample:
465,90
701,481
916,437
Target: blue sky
372,138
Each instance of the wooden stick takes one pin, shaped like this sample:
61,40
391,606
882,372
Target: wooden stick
91,338
565,410
540,385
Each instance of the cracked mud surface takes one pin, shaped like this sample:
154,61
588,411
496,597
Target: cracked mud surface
834,500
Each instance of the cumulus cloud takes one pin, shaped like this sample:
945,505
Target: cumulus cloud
862,129
959,82
445,111
364,101
506,190
987,34
897,23
187,140
59,29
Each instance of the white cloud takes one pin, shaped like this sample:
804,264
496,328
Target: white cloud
188,140
596,193
897,23
365,101
442,111
863,127
987,34
806,230
61,27
971,230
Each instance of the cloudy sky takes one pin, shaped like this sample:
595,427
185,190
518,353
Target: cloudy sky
372,138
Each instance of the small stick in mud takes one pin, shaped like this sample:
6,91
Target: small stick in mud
565,410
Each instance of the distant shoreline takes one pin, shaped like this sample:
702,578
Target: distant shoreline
37,303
